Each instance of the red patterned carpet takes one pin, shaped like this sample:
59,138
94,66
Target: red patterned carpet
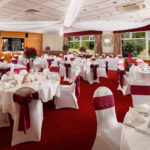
69,129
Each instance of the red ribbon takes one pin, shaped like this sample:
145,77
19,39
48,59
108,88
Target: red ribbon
4,71
94,67
54,69
106,65
72,59
28,67
14,61
140,90
17,70
120,76
67,69
24,117
103,102
50,62
77,89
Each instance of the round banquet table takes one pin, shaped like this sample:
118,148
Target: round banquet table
132,139
47,89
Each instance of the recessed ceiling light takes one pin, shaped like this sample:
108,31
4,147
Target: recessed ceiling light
114,2
84,9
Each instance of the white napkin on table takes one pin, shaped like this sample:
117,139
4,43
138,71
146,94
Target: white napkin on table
144,108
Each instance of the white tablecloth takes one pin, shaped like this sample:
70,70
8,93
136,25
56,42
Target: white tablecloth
133,140
47,89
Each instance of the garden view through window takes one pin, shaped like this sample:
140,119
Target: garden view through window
76,42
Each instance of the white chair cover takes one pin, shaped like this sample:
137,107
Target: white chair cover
108,129
36,119
67,97
140,91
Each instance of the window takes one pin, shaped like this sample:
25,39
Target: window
12,44
77,41
135,41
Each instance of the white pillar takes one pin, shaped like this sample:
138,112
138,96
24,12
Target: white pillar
147,45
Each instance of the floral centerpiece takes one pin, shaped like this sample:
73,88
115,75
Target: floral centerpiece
82,49
30,53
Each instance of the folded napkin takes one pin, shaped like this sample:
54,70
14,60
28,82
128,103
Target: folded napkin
134,119
4,77
144,108
144,129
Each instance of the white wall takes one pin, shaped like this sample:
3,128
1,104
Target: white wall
55,41
107,49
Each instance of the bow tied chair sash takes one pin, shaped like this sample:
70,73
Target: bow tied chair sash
77,88
24,116
50,62
28,67
72,59
2,60
67,66
4,71
94,67
106,62
103,102
120,76
14,61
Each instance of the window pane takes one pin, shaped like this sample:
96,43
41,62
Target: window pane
138,34
77,38
88,45
136,46
92,37
125,35
70,38
74,45
85,38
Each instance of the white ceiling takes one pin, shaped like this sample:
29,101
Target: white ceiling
94,15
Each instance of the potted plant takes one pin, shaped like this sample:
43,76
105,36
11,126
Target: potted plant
65,49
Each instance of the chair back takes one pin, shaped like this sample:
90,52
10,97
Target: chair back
140,91
30,129
103,100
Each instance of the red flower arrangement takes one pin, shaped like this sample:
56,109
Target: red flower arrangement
30,53
82,49
47,48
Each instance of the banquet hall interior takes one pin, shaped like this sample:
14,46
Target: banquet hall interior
75,74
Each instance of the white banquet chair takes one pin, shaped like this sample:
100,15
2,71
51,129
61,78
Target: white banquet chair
108,128
35,109
68,97
140,92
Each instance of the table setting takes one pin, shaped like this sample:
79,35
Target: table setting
136,128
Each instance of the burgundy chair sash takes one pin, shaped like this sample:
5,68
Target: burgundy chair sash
28,67
72,59
103,102
120,76
140,90
2,60
77,88
106,66
67,69
94,67
65,58
54,69
93,59
24,116
4,71
14,61
18,70
50,62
